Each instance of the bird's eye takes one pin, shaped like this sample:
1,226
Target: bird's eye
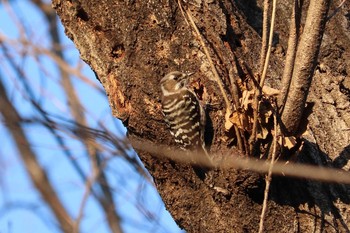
176,78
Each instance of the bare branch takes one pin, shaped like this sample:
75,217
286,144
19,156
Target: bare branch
269,175
291,53
213,69
264,35
258,89
236,161
267,58
305,63
88,188
77,110
37,174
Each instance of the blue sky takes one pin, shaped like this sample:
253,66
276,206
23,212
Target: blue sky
21,207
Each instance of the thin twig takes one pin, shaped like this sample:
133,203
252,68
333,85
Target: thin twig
264,34
23,45
237,161
269,176
252,137
101,139
182,11
234,90
88,189
232,74
78,112
213,69
239,139
258,90
49,123
36,172
267,59
336,10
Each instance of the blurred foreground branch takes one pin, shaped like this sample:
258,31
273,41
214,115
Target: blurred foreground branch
238,161
38,175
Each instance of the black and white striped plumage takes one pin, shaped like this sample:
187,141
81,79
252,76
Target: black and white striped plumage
183,112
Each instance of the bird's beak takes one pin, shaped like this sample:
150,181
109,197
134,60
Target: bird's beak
187,77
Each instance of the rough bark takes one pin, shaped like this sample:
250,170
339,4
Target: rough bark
131,45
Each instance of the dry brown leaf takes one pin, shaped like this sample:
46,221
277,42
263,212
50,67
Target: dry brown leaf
247,99
265,116
235,119
288,142
228,123
238,119
263,133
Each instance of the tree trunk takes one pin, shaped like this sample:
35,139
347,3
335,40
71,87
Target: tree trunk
132,44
